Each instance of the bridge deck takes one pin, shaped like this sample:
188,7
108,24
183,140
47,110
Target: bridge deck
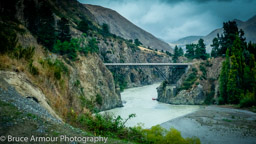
147,64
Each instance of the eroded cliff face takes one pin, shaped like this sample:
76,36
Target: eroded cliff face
198,85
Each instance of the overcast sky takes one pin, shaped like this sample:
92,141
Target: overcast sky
174,19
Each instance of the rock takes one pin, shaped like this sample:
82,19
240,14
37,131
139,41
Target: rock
193,97
167,94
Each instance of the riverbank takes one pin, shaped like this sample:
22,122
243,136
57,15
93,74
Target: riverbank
214,124
148,112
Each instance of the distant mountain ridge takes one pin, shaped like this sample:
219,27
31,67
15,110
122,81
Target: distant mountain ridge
249,27
124,28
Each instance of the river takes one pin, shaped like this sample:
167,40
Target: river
148,112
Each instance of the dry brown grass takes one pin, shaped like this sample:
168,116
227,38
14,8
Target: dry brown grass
56,92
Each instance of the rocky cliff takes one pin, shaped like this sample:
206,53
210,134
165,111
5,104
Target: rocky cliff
198,85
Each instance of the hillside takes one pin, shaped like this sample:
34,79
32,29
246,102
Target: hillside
186,40
249,27
120,26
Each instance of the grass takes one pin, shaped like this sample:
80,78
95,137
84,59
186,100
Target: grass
227,120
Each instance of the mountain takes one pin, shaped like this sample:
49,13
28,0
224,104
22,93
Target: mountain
120,26
186,40
249,27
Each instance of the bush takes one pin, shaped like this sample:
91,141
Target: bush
26,53
67,48
99,99
157,134
248,100
8,39
105,29
203,70
32,69
120,80
83,26
110,126
187,84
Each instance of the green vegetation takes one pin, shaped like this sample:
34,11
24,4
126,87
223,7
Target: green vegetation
105,29
203,70
99,99
120,80
107,125
57,67
8,36
200,52
157,134
197,51
137,42
83,26
190,51
215,46
177,53
26,53
190,80
70,48
64,31
238,74
32,69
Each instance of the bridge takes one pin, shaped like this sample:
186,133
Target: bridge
155,65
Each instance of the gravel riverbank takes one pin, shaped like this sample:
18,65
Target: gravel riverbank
216,125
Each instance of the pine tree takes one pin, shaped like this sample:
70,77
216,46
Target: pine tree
200,52
190,51
64,31
176,54
181,53
215,47
46,30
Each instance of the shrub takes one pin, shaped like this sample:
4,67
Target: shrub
248,100
120,80
26,53
8,39
99,99
105,29
83,26
187,84
157,134
108,125
32,69
203,70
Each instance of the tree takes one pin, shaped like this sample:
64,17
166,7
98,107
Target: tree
181,52
105,29
64,31
229,36
224,80
137,42
200,52
46,30
190,51
83,26
215,47
176,54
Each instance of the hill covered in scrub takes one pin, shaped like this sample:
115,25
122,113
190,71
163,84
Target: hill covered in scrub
120,26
